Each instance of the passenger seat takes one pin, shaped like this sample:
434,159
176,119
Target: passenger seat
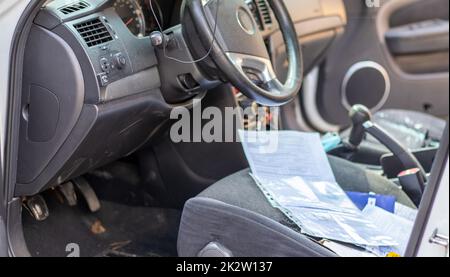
414,130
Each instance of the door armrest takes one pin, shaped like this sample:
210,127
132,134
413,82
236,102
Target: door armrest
422,37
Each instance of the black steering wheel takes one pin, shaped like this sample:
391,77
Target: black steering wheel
236,47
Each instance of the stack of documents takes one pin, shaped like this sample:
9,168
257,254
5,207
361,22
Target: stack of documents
293,172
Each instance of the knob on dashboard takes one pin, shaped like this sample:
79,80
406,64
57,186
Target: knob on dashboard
120,60
159,39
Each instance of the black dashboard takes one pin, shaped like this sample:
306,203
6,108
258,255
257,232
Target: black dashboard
91,88
95,90
112,33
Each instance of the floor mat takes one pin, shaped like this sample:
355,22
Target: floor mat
115,231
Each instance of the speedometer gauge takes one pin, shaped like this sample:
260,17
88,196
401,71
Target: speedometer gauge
132,15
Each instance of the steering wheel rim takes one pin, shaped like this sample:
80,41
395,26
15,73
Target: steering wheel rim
238,50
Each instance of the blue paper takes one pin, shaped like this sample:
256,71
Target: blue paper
386,202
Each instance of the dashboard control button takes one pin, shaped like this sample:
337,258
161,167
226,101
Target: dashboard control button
103,79
105,64
120,60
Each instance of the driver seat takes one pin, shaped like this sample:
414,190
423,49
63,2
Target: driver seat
232,218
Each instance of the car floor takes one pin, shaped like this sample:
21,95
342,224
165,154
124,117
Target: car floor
116,230
126,225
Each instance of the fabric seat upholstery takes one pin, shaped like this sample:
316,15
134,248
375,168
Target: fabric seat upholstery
236,214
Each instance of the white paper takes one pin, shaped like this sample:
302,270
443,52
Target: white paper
294,166
293,172
297,192
405,212
284,154
342,227
397,227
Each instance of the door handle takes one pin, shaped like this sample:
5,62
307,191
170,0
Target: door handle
441,240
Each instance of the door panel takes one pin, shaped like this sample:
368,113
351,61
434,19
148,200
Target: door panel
419,11
3,245
391,56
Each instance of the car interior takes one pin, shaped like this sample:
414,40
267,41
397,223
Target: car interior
96,164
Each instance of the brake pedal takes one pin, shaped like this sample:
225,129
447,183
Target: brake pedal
37,207
88,194
68,191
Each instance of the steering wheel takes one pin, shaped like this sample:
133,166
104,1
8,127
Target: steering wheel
236,48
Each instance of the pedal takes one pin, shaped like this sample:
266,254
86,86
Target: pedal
88,194
37,207
68,191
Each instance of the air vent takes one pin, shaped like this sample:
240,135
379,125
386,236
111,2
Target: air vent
94,32
78,6
265,12
255,11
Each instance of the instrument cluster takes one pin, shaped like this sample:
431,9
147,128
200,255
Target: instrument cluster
137,15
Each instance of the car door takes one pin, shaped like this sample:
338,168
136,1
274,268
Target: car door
393,55
430,235
10,14
3,242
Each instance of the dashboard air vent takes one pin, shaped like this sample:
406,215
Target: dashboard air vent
74,7
255,12
94,32
265,12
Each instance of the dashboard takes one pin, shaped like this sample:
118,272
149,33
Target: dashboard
95,90
91,87
132,14
144,16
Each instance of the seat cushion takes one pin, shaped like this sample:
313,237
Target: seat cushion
354,177
235,213
239,233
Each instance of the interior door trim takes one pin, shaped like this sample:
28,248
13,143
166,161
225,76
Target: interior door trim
386,11
382,26
309,96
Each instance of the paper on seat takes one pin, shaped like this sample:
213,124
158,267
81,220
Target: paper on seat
293,171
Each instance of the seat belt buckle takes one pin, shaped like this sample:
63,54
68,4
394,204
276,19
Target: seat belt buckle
412,183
